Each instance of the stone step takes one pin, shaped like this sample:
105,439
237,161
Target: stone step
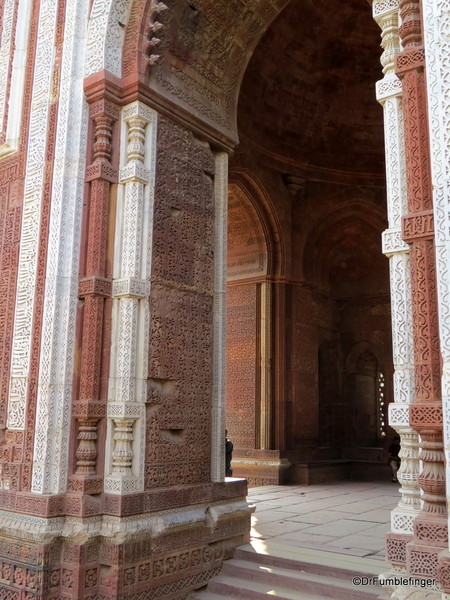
320,562
211,596
265,568
295,580
240,589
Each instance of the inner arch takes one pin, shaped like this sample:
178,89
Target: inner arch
311,134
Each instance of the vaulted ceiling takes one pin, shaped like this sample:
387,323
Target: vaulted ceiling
308,94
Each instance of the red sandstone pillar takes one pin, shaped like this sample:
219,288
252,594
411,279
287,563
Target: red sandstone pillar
95,288
430,527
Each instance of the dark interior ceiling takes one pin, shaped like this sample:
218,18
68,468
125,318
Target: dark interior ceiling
309,91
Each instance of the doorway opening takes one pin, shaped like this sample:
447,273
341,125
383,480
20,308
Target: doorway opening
309,358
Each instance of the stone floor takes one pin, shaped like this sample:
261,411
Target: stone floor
345,517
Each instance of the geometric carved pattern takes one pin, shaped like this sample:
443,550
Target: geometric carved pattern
424,415
409,60
401,522
398,415
434,532
179,386
422,562
396,549
443,570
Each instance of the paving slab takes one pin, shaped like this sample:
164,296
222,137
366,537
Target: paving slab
318,517
362,542
349,518
267,516
379,515
340,528
277,529
357,507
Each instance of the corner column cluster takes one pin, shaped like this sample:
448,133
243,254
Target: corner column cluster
423,415
389,94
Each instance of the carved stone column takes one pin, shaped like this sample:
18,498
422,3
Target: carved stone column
430,527
389,94
95,288
131,290
436,17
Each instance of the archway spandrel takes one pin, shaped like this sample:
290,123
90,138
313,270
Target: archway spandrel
194,54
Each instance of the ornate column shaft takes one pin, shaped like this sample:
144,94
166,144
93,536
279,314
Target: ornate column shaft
389,94
125,446
436,19
95,288
430,527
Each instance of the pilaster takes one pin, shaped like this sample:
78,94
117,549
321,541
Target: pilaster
220,317
389,94
95,290
436,17
430,526
125,454
265,409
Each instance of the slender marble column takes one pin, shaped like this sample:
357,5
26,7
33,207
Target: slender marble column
125,446
389,94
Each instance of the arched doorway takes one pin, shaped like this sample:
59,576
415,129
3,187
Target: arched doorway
249,326
311,132
252,305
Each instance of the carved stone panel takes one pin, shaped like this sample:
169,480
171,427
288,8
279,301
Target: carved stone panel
242,326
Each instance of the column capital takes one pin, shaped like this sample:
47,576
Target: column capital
399,415
381,8
426,416
139,109
131,287
392,242
388,87
386,14
94,286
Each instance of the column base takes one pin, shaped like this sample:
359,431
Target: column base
422,560
443,571
260,467
396,550
160,554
